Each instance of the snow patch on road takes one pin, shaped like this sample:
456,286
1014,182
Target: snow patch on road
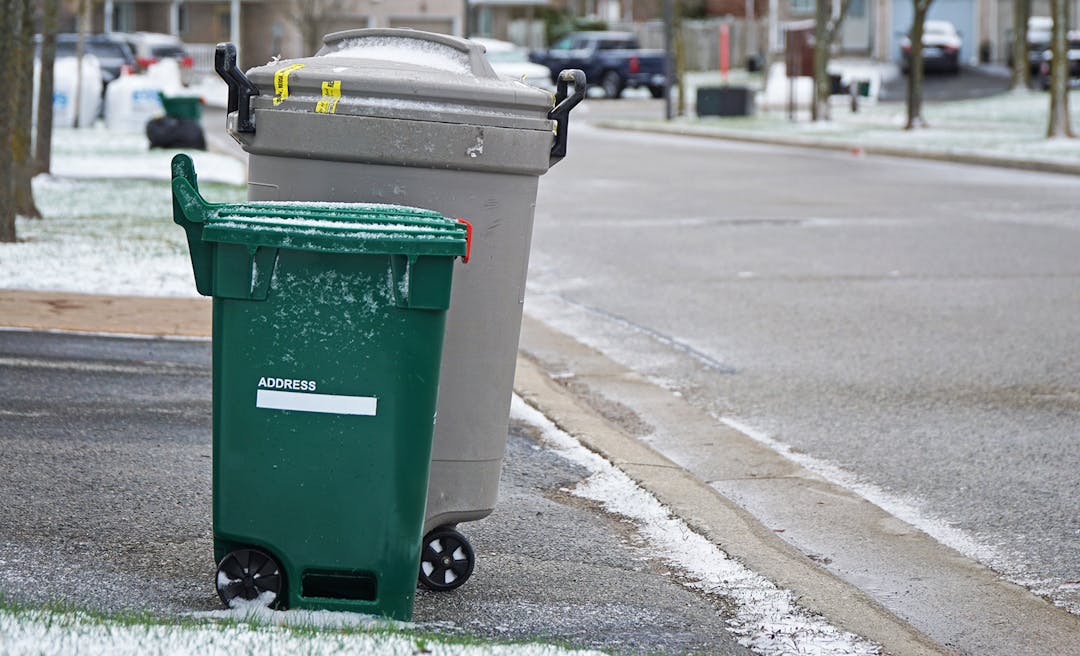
767,619
895,506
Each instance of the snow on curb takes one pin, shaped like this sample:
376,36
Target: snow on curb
767,619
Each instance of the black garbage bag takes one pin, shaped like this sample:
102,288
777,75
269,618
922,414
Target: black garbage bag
173,132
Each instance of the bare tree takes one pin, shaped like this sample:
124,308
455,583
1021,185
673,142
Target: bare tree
1021,69
310,17
1059,125
21,152
915,66
826,27
9,20
679,46
46,87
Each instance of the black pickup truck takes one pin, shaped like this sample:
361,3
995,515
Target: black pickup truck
612,60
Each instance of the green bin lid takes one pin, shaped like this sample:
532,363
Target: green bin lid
337,228
313,226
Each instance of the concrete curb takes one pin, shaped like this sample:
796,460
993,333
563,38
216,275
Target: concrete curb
707,132
719,520
896,585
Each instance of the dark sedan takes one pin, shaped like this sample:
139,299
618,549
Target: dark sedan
112,52
1074,63
940,48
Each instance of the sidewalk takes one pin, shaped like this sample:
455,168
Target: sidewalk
1006,130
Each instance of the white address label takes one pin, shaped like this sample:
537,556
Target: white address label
337,404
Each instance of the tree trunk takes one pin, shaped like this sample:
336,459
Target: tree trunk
46,87
1021,69
21,152
819,104
680,57
915,67
825,30
1059,125
8,22
80,47
310,17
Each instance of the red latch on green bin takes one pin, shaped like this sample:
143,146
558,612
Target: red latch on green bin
468,240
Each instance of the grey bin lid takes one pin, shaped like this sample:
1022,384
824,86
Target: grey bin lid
401,74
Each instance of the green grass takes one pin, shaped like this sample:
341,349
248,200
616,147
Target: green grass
60,616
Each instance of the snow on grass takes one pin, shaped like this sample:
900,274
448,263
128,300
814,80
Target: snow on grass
47,632
103,236
767,619
108,219
100,153
1010,126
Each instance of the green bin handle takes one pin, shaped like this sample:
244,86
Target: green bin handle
189,212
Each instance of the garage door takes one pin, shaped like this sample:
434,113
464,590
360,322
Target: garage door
960,13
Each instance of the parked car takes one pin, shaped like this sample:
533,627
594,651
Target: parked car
1038,40
152,47
611,60
512,62
1074,62
112,52
940,48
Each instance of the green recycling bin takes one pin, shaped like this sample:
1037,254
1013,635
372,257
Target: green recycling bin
328,325
189,107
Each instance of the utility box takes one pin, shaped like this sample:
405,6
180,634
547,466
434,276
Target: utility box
725,101
799,48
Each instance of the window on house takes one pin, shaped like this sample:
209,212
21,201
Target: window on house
802,6
276,34
124,17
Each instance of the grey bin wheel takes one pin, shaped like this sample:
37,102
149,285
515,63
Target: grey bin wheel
446,560
248,575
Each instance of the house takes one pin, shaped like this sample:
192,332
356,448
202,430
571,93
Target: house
266,28
263,29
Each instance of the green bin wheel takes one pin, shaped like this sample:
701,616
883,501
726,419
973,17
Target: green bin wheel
446,560
248,575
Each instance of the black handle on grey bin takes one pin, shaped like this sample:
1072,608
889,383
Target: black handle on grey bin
560,113
241,89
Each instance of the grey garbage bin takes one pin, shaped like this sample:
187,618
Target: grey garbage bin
414,118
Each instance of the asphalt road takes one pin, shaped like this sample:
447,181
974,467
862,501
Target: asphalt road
912,323
106,481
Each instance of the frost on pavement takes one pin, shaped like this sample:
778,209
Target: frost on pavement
767,619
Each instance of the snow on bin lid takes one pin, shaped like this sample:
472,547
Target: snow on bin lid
370,228
401,74
338,228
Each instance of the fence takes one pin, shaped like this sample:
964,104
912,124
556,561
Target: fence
202,57
701,40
